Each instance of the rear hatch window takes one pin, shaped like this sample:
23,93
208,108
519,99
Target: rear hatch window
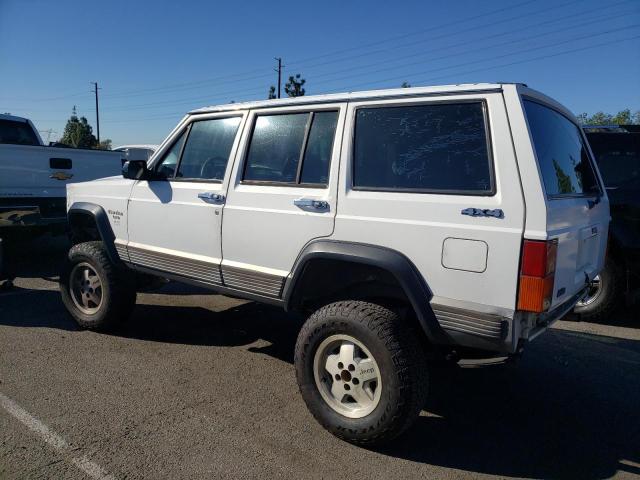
562,155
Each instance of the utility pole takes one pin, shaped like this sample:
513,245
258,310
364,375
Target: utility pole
279,70
95,90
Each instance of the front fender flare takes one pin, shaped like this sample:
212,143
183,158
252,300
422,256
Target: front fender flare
102,223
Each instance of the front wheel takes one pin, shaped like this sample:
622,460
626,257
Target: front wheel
361,371
97,293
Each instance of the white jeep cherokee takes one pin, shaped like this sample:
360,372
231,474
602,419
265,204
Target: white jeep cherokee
404,222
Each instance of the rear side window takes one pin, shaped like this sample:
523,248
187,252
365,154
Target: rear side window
561,153
17,133
208,147
439,148
291,148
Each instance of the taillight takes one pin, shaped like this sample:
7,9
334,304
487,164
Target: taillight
538,267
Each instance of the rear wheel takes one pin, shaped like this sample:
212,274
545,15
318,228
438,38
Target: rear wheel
97,293
361,371
603,294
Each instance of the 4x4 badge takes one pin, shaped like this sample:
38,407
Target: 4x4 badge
479,212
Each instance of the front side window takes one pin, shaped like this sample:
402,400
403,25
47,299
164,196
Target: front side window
206,152
208,147
560,151
167,166
430,148
292,148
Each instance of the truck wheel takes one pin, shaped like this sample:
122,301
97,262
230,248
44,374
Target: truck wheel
97,293
361,371
603,295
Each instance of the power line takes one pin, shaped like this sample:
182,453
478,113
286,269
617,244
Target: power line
397,37
517,62
201,83
444,35
367,72
476,40
394,67
541,57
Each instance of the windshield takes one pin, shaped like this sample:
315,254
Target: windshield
17,133
561,152
618,156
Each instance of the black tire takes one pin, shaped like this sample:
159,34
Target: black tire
608,297
118,294
402,366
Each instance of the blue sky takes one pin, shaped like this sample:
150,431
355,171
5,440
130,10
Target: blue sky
156,60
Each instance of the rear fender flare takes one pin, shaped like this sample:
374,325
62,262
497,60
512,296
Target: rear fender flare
394,262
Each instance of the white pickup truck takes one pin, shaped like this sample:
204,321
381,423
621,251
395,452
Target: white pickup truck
33,177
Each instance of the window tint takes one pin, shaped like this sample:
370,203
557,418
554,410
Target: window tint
17,133
206,153
438,147
562,156
167,165
275,147
317,156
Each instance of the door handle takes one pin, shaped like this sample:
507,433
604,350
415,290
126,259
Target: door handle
211,197
311,203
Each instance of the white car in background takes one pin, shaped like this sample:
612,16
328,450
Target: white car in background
137,152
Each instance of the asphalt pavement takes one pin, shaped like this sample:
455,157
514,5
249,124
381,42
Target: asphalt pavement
196,385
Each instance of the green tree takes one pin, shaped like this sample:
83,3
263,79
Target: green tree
623,117
272,92
78,133
294,87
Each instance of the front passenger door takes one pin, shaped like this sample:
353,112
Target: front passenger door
175,220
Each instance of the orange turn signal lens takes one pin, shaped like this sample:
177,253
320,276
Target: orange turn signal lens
534,293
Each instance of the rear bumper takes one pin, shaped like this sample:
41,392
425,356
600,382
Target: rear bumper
535,324
497,333
32,211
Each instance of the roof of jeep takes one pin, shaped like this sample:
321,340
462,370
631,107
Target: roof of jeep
350,96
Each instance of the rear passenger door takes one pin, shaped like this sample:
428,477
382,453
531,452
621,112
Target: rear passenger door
283,194
436,179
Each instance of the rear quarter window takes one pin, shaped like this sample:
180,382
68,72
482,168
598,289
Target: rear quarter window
17,133
561,153
432,148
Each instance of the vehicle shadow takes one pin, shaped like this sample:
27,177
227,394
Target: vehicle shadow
568,409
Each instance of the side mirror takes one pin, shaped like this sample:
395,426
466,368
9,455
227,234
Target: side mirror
135,170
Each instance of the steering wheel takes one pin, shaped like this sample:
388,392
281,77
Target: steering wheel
213,164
